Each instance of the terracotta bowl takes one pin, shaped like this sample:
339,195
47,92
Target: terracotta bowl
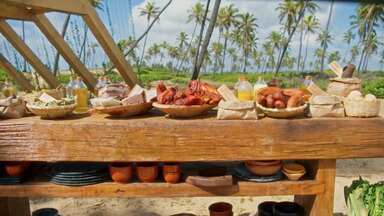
263,170
16,169
294,168
125,111
293,176
171,172
176,111
121,172
147,172
263,162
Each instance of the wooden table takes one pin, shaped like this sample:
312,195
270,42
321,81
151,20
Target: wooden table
316,142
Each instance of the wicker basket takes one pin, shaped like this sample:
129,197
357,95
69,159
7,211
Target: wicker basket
361,108
177,111
124,111
52,112
283,113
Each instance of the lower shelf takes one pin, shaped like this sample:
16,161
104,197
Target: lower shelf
110,189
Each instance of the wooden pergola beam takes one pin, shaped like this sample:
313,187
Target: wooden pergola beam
106,41
63,48
67,6
28,54
9,11
14,74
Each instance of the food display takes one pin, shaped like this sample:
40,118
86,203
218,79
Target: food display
12,108
196,99
48,107
118,101
356,105
282,103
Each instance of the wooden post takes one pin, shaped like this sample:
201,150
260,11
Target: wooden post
67,6
63,48
14,74
28,54
106,41
321,205
14,207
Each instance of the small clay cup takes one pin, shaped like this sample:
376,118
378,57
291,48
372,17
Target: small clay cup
288,209
147,172
171,172
16,169
220,209
121,172
266,209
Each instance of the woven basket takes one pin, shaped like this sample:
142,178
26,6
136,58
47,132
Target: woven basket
52,112
283,113
361,108
124,111
177,111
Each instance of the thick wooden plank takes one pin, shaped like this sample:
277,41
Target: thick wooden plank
15,75
14,207
321,204
63,48
45,189
106,41
98,138
28,54
9,11
67,6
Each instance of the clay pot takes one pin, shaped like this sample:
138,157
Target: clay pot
266,209
121,172
171,172
220,209
263,168
147,172
46,212
16,169
288,209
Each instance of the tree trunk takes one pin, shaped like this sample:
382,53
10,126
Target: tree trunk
57,57
306,53
207,39
143,52
365,41
327,29
179,67
225,50
301,44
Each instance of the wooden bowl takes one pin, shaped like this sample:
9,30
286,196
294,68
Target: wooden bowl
293,176
283,113
263,170
51,112
293,168
176,111
263,162
124,111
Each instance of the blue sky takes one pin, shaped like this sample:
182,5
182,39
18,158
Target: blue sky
174,20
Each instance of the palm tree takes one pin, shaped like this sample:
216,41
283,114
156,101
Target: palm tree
149,11
228,18
318,55
326,34
275,38
354,53
311,24
367,18
182,40
372,46
257,58
216,50
245,35
348,37
234,57
334,56
381,60
325,39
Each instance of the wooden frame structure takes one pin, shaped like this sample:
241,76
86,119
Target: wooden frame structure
33,10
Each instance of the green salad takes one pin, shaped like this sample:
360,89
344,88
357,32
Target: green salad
55,103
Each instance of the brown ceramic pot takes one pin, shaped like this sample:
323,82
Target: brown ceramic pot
147,172
263,170
171,172
16,169
121,172
220,209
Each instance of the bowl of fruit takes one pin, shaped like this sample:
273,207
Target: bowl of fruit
282,103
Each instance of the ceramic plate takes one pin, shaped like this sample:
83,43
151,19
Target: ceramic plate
242,172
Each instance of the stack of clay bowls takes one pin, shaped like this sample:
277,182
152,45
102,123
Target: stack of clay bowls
293,171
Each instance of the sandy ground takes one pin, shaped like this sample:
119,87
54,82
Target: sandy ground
347,171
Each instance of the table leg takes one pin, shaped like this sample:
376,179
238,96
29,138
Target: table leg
322,204
14,207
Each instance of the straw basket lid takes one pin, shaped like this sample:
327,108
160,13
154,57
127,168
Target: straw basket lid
178,111
283,113
51,112
353,80
124,111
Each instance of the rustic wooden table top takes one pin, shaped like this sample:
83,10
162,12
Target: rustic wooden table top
156,138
